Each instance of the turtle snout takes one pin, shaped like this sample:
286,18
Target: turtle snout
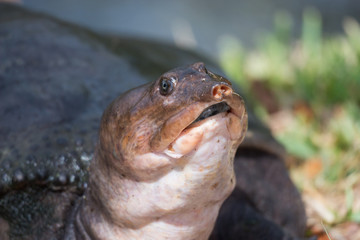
220,91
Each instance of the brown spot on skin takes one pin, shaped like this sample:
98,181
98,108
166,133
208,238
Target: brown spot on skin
214,186
171,147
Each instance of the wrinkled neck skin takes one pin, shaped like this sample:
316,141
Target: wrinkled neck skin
182,203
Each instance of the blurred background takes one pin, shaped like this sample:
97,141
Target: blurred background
299,64
194,24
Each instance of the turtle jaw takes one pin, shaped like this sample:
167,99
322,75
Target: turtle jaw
234,107
211,111
191,135
196,114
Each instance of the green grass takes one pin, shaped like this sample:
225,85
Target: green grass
320,74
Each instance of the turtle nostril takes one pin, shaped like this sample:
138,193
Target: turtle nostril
221,91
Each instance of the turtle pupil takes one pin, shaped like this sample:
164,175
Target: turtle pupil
166,86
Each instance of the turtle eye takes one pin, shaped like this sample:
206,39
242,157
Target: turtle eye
166,86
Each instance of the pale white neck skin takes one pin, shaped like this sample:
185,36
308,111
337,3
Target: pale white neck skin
183,203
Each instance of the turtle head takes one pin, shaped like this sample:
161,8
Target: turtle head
152,128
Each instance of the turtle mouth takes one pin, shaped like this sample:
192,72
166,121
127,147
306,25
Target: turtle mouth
212,110
191,136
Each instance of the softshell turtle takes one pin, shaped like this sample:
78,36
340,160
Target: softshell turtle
56,80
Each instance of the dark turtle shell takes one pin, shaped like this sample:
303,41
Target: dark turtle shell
55,81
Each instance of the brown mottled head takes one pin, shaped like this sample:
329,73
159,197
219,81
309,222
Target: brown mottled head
139,128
